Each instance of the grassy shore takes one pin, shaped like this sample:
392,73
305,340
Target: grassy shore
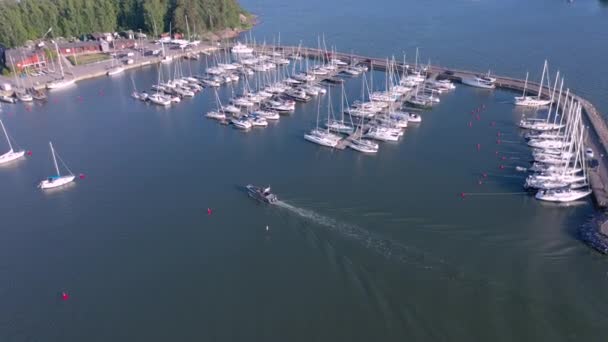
88,59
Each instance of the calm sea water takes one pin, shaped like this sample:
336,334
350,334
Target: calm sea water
363,247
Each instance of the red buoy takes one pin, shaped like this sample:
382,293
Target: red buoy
209,211
82,176
462,194
29,153
65,296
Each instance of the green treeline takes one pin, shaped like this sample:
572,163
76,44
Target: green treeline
22,20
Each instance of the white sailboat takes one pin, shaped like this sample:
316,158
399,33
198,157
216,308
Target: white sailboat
335,125
11,154
320,136
62,82
533,101
218,114
56,180
363,145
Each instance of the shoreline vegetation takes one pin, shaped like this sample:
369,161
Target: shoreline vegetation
23,21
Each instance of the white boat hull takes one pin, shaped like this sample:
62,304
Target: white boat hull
475,83
11,156
60,84
528,101
53,182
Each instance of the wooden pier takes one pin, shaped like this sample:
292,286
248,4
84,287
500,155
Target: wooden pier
597,138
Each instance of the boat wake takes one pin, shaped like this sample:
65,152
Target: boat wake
414,257
383,246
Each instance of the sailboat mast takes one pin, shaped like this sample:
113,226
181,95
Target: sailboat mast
542,79
342,103
6,135
59,59
525,84
54,158
328,106
187,28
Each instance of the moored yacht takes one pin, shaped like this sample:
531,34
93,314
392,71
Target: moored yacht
562,194
11,154
364,145
56,180
485,82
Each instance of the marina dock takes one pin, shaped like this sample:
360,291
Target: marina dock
597,138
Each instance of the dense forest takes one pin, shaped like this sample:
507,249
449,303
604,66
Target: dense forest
22,20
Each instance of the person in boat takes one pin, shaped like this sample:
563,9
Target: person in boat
266,191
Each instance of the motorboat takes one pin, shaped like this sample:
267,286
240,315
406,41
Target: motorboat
257,121
261,194
267,114
242,123
484,82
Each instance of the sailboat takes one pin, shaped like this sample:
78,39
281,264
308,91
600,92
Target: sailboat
115,69
363,145
11,154
320,136
534,101
217,115
339,126
56,180
62,82
21,94
143,96
158,98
